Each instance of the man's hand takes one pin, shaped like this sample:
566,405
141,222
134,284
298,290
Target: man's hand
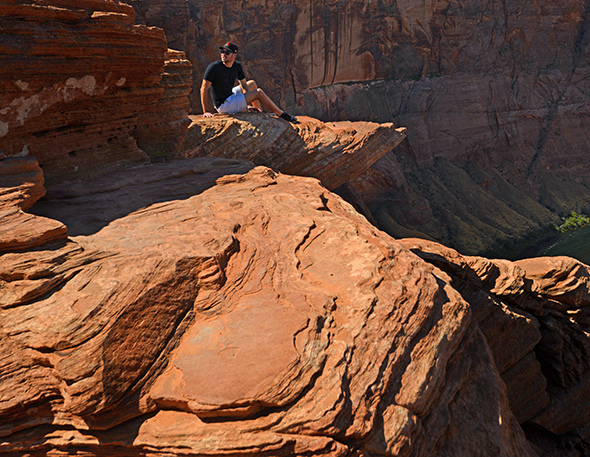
208,114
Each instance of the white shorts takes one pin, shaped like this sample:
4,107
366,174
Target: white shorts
234,103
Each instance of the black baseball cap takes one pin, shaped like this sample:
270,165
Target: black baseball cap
229,46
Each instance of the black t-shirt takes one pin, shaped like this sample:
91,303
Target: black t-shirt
222,80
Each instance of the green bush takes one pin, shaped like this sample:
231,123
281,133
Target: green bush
573,222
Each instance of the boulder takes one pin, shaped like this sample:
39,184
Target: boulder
238,314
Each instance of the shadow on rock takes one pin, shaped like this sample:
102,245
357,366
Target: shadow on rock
85,207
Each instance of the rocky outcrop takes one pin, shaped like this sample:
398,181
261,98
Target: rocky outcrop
176,18
161,129
21,185
207,307
92,110
335,152
210,306
249,314
534,316
493,97
91,88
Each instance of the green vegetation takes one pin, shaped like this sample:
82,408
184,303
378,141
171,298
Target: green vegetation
574,221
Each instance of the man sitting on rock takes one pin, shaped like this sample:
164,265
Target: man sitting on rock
221,76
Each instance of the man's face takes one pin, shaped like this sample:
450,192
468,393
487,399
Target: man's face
228,57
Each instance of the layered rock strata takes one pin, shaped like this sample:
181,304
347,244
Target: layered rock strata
335,152
80,85
161,130
189,303
21,185
207,307
494,101
250,314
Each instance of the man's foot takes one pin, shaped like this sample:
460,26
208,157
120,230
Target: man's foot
289,118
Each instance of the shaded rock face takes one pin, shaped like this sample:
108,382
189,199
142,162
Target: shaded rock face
492,95
93,89
498,111
161,129
245,314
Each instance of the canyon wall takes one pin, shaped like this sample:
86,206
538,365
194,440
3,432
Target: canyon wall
494,97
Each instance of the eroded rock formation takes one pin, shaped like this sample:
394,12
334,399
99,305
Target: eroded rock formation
534,315
335,152
21,185
261,315
493,97
206,306
202,307
81,86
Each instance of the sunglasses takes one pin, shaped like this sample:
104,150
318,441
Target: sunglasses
227,53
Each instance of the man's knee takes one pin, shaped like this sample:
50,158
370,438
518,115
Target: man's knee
252,95
251,84
258,93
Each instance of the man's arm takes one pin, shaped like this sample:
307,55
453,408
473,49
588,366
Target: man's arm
206,99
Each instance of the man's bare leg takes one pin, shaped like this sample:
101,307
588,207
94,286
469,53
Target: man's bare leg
251,85
258,95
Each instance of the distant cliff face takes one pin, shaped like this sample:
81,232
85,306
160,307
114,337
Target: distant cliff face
494,97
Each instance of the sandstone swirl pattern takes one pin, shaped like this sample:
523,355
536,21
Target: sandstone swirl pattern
262,316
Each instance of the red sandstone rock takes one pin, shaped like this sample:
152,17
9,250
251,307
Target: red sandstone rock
335,152
533,313
89,80
252,314
21,185
262,315
161,131
21,182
